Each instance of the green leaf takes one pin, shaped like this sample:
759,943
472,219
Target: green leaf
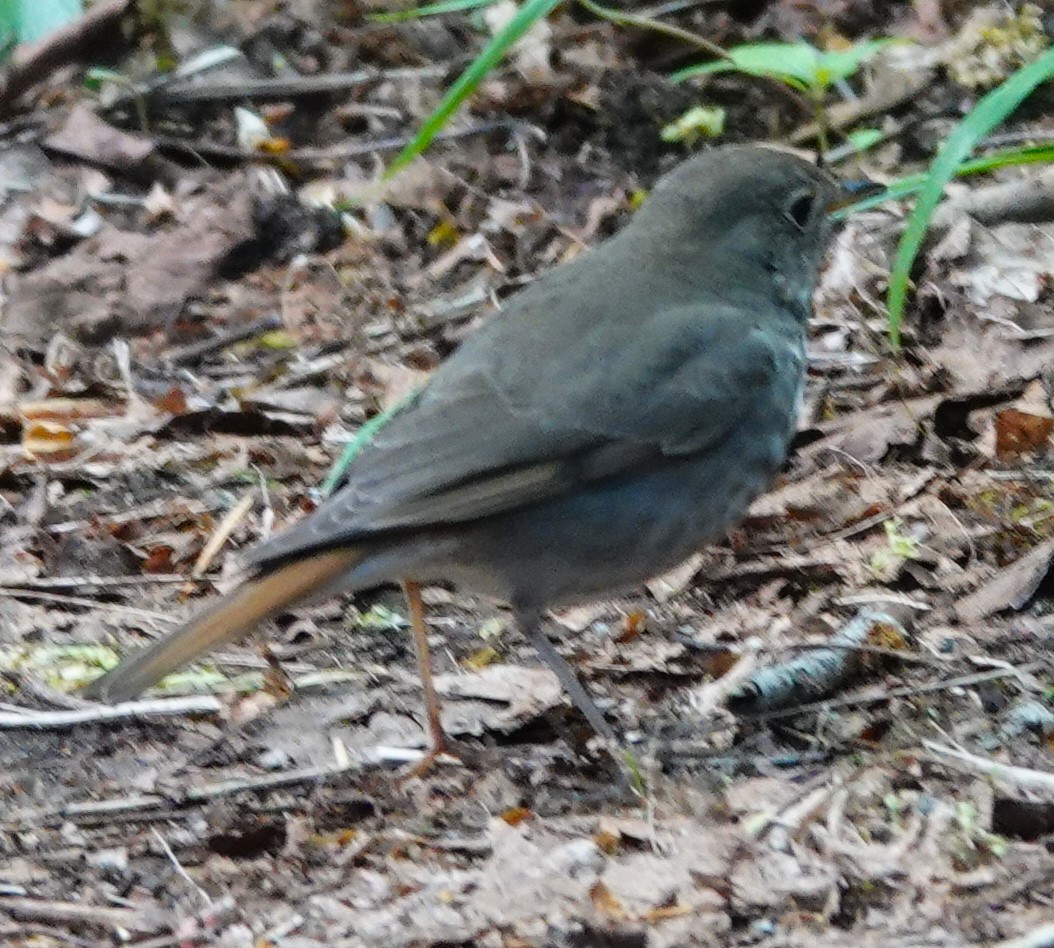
430,9
864,138
467,82
793,62
843,63
797,64
989,112
698,122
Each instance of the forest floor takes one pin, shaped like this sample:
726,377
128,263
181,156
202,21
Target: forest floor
191,336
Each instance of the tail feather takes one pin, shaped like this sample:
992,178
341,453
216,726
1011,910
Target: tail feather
232,617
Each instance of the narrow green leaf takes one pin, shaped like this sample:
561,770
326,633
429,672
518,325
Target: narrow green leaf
466,83
362,437
911,184
430,9
989,112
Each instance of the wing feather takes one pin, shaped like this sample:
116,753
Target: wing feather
483,439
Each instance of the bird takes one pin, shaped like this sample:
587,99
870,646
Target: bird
619,413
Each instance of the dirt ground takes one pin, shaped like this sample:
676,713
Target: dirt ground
841,716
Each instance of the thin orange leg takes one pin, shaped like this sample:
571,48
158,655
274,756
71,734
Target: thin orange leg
441,744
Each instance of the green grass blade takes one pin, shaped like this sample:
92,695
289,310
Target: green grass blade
989,112
362,437
430,9
912,184
466,83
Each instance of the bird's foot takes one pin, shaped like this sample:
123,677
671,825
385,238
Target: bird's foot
442,752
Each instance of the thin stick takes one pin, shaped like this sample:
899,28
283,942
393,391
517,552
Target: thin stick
108,714
186,355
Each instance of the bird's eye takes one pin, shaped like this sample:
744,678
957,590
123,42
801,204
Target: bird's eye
800,209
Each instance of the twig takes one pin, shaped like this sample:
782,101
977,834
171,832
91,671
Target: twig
816,674
222,534
76,914
622,18
336,153
226,788
1021,778
1042,937
908,691
77,582
14,592
156,508
178,866
1027,200
899,87
106,714
187,355
111,808
34,62
641,22
266,90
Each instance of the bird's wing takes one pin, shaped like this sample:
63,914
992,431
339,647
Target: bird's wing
486,440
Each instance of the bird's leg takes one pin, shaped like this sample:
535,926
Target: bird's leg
441,744
530,625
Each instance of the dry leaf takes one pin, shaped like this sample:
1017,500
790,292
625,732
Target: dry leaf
1019,432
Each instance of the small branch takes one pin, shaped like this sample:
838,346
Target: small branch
146,615
1028,200
106,714
226,788
267,90
908,691
1018,778
187,355
817,674
222,534
620,18
316,155
76,914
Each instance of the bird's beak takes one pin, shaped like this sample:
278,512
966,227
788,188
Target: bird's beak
849,192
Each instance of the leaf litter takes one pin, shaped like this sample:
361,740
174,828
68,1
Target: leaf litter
192,346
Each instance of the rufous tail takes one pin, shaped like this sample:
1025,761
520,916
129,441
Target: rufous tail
233,616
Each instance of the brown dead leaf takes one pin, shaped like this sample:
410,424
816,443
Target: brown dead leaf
158,560
516,815
1011,588
634,623
866,436
605,903
1018,432
126,282
173,402
48,440
86,136
497,698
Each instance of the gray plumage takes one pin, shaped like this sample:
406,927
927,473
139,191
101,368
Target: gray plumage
618,414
